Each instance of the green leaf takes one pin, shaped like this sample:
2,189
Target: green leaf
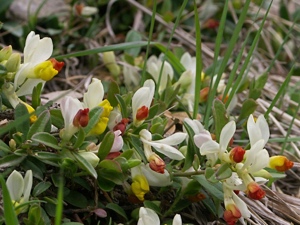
40,124
22,115
152,205
3,70
111,165
248,108
4,147
111,93
4,6
209,187
57,118
106,145
122,106
77,199
105,184
127,154
220,117
133,36
36,95
94,115
84,164
11,160
9,211
46,139
34,215
118,209
79,138
191,150
40,188
223,172
210,175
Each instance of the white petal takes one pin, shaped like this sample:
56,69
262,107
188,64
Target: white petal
15,185
264,128
156,179
118,142
168,150
151,85
27,185
153,69
209,147
261,161
201,138
28,85
226,134
177,220
69,108
139,99
241,205
173,139
148,217
145,135
195,125
94,94
186,60
253,131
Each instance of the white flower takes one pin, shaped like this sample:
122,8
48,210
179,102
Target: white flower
141,102
258,130
164,145
69,108
148,217
94,95
156,179
115,117
154,65
36,51
118,142
91,157
19,188
177,220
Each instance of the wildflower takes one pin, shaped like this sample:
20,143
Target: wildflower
254,191
81,119
154,178
36,67
69,108
118,141
139,184
280,163
141,102
164,145
19,188
154,66
148,217
115,117
121,126
258,129
83,10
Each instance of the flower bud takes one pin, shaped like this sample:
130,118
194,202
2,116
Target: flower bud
204,94
254,191
280,163
13,62
109,60
12,144
142,113
83,10
81,119
156,163
121,126
237,154
5,53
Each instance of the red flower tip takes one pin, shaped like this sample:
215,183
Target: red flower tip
232,214
237,154
254,191
157,164
56,64
81,118
142,113
121,125
211,24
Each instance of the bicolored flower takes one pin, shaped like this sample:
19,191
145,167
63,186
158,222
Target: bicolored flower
154,178
254,191
118,142
237,154
156,163
141,102
164,145
36,67
154,66
258,129
19,188
280,163
139,184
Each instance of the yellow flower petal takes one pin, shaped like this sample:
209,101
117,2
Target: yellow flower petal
45,71
140,186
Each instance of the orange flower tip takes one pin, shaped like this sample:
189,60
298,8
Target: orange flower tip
56,64
237,154
232,214
223,99
280,163
157,164
204,94
142,113
255,192
211,24
81,118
